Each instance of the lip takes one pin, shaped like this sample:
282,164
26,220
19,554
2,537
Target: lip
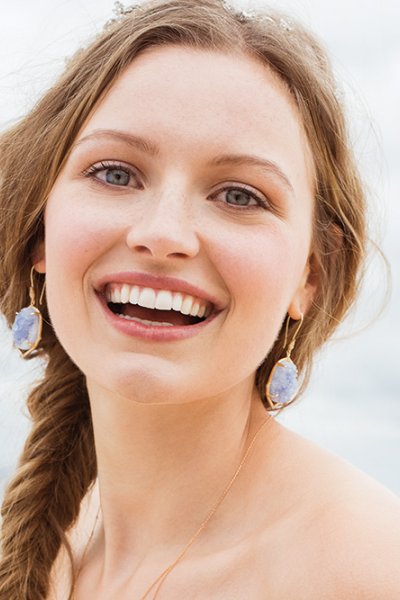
152,332
158,283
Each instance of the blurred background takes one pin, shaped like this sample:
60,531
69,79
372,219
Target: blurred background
352,406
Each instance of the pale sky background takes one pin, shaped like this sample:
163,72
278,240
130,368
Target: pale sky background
353,404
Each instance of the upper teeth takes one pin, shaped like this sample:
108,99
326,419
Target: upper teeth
159,299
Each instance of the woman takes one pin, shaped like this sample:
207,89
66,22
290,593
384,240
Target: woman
187,193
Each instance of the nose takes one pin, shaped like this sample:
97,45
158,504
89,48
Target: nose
165,228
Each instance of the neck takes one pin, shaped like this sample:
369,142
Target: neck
162,466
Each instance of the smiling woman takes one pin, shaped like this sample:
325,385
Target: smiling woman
188,194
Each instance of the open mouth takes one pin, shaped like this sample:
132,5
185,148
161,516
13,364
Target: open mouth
160,308
150,316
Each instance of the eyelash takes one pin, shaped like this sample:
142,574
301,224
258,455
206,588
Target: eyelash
261,203
108,166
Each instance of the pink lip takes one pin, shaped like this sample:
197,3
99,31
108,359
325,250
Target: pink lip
158,283
152,332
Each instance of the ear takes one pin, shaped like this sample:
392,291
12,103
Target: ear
39,258
306,291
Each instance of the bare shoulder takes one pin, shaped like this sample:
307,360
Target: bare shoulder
363,547
347,525
360,526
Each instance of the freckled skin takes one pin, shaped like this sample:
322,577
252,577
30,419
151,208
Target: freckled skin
195,107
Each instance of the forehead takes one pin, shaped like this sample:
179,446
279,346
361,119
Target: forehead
197,101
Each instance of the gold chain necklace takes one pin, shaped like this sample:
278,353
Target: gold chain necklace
161,578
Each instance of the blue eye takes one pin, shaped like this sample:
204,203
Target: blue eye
114,174
240,197
117,177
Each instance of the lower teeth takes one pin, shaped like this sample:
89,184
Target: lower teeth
145,322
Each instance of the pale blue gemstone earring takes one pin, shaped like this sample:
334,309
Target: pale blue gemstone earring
27,326
282,385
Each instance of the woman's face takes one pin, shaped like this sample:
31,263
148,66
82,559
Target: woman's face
194,167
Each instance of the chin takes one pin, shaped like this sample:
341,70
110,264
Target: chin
142,379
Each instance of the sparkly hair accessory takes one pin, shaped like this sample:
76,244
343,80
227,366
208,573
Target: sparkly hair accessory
247,15
243,15
120,11
285,25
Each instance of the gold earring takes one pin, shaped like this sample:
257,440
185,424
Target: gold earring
282,384
27,326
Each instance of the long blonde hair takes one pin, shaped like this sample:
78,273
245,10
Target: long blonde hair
58,463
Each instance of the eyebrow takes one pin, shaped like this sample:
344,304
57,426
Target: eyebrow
268,166
152,149
133,140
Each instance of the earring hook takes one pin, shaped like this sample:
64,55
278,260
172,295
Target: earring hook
42,293
32,294
293,341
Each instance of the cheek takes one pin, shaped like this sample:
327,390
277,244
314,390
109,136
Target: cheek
261,263
74,239
262,270
75,236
